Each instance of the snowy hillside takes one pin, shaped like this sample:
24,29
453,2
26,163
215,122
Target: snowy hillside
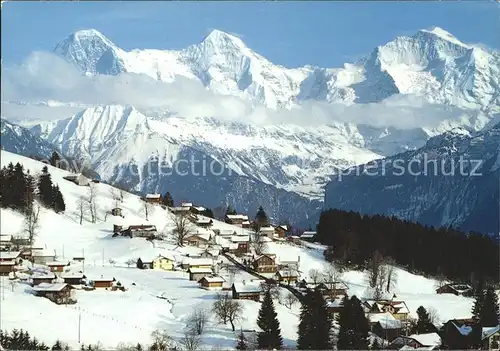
432,63
111,317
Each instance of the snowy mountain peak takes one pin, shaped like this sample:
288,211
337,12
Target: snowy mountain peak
443,34
220,38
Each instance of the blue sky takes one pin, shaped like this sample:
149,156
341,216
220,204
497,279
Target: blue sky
292,34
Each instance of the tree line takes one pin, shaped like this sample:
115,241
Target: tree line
441,252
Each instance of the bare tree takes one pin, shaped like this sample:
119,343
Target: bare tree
197,321
147,209
315,275
161,341
227,310
82,208
92,202
273,289
257,243
391,275
191,341
182,229
32,221
289,300
374,269
130,262
433,315
331,277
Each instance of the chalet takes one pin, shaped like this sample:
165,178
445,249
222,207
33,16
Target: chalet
247,290
265,263
308,236
78,179
43,256
428,340
56,266
334,307
281,230
246,224
236,219
198,273
187,205
456,289
289,264
73,278
385,326
287,276
330,289
242,244
39,278
5,242
491,338
204,222
140,231
6,267
211,282
59,293
198,240
117,211
213,254
153,198
179,210
197,209
7,256
197,263
102,282
398,309
163,263
267,232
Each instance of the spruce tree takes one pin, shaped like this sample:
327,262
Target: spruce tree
477,308
140,265
242,342
54,159
168,200
490,312
261,219
305,335
270,335
230,210
424,324
58,201
376,345
354,327
45,188
322,322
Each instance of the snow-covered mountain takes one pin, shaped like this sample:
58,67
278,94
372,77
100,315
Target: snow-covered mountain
431,63
451,181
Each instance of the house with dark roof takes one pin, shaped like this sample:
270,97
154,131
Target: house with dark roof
456,289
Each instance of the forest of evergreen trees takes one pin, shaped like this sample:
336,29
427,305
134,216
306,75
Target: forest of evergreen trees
18,189
443,252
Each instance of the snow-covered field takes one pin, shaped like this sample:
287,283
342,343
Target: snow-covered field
111,317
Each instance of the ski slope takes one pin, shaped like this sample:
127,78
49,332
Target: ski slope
111,317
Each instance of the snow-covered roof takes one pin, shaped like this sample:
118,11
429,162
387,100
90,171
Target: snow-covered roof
9,255
8,263
267,229
197,270
427,339
213,279
245,223
76,275
194,236
240,238
251,287
179,209
57,264
101,279
43,253
49,287
287,273
199,208
238,217
5,237
199,261
203,221
46,275
386,320
166,257
187,204
283,226
489,331
308,234
153,196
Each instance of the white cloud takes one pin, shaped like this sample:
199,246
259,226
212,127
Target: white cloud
44,76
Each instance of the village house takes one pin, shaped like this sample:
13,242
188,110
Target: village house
187,205
163,263
179,210
191,262
385,326
267,232
198,240
246,224
456,289
59,293
56,266
37,278
211,282
210,253
491,338
204,222
308,236
289,264
117,211
281,230
428,340
456,333
197,209
6,267
43,256
196,274
153,198
265,263
334,307
236,219
7,256
73,278
294,239
102,282
140,231
242,243
397,309
5,242
287,276
247,290
78,179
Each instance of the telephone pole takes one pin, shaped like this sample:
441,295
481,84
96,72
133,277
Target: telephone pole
79,323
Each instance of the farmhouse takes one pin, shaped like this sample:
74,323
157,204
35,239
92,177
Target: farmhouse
38,278
204,222
198,273
456,289
397,309
197,209
247,290
213,254
6,267
43,256
308,236
267,232
187,205
56,266
287,276
211,282
6,256
59,293
416,341
73,278
265,263
385,325
163,263
198,240
246,224
281,230
179,210
140,231
102,282
153,198
197,263
241,244
236,219
78,179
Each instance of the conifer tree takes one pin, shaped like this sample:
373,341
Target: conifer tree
261,219
424,324
58,201
376,345
242,342
304,340
354,327
140,265
230,210
270,335
54,159
45,188
490,311
477,308
168,200
322,322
